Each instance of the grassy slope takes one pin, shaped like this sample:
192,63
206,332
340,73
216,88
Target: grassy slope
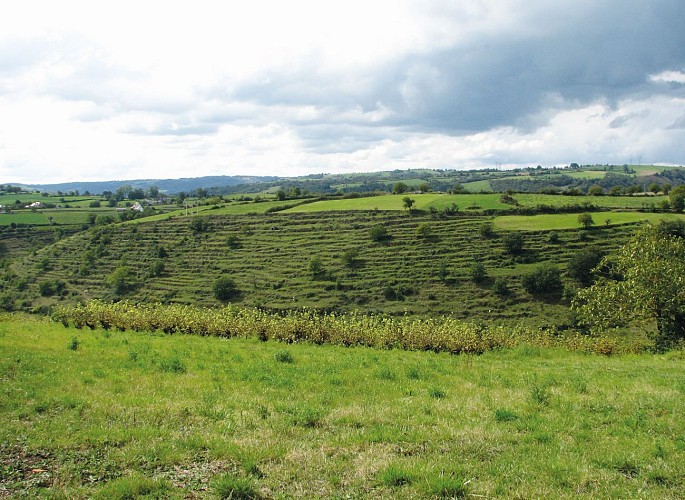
271,265
125,414
482,201
548,222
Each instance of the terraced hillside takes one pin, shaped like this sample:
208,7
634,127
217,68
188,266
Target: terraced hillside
284,261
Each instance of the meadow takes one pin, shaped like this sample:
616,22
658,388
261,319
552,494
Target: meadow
475,202
550,222
108,414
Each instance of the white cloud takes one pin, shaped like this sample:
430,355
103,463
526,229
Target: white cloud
92,90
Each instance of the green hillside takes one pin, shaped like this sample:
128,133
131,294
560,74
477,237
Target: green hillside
424,267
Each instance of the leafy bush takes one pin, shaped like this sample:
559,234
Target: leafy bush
545,278
122,280
478,272
424,231
582,263
350,257
51,287
585,220
315,267
379,233
513,242
486,229
233,241
224,288
199,224
157,268
500,286
553,237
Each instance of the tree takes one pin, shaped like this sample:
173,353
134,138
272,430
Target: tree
477,272
424,187
585,220
199,224
545,278
407,203
400,188
513,242
500,286
486,229
654,187
677,197
595,190
379,233
224,288
424,231
316,267
233,241
582,263
650,286
350,257
280,194
121,280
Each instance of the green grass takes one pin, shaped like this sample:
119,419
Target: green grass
587,174
269,262
23,217
473,202
478,186
549,222
107,421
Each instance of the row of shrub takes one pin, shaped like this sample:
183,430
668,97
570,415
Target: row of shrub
352,329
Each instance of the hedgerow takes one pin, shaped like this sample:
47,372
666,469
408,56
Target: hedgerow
351,329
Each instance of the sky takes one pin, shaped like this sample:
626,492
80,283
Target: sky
167,89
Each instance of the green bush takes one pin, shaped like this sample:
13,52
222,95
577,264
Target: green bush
545,278
500,286
199,224
224,288
233,241
477,272
379,233
350,257
51,287
122,280
581,264
513,242
486,229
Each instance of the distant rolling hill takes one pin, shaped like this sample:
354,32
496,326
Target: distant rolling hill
164,185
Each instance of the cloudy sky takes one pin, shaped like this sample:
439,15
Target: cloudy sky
146,89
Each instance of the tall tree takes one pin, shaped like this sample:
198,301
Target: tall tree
651,286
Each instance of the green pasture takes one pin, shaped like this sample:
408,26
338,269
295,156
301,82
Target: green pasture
629,202
587,174
547,222
486,201
23,217
395,202
99,414
477,186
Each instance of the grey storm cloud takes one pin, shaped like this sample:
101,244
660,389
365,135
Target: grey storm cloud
573,56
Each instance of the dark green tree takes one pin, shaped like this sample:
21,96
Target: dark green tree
224,288
585,220
400,188
513,242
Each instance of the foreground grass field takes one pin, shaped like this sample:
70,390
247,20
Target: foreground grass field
120,415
